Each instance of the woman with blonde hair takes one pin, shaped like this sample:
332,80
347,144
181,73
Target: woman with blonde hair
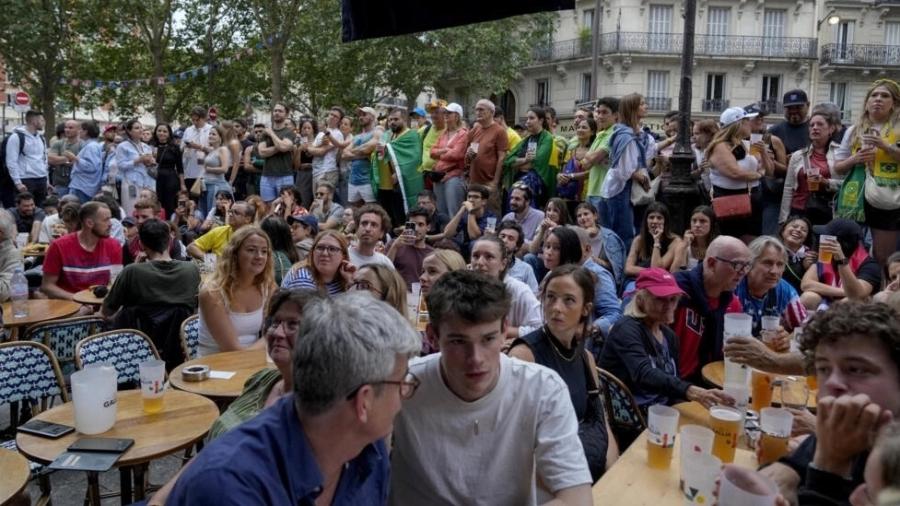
232,303
735,169
872,145
383,283
215,165
327,269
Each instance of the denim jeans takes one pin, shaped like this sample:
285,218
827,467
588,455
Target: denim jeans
82,197
450,195
269,186
616,214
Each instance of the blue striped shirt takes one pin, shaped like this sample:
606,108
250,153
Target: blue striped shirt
302,279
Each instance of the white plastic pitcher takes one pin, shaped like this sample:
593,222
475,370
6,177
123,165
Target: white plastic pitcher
94,398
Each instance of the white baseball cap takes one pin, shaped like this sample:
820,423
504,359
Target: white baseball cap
733,114
454,107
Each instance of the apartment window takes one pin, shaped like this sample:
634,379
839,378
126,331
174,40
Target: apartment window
892,34
843,37
658,90
771,88
838,96
660,27
587,88
587,18
542,92
717,23
773,32
715,93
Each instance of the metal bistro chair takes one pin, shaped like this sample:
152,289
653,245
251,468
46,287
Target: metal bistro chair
30,373
622,411
123,349
62,335
190,337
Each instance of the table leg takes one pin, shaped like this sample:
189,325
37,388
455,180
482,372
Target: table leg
125,484
139,483
94,488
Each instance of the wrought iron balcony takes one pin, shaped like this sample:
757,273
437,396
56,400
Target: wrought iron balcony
771,106
860,55
714,105
658,103
671,44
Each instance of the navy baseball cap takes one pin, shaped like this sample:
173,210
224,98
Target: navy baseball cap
795,97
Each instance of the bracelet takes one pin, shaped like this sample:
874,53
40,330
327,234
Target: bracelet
657,246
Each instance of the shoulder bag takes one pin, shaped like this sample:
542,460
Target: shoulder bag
592,429
731,207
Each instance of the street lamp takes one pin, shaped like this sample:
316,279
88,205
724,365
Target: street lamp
831,17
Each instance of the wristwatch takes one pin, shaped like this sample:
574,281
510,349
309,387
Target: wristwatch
840,262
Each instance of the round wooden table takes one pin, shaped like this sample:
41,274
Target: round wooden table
714,372
184,420
39,310
14,474
243,363
87,297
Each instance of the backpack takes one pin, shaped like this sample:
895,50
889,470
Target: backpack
7,188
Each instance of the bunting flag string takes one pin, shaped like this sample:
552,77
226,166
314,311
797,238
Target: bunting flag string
169,79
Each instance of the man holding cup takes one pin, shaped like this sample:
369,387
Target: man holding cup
845,269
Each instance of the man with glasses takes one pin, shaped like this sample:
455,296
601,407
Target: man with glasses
325,209
214,241
484,428
709,288
323,443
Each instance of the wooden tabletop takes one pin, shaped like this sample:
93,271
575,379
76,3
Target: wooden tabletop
243,363
14,474
40,310
185,418
87,296
630,481
714,372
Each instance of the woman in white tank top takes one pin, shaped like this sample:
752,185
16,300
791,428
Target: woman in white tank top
232,303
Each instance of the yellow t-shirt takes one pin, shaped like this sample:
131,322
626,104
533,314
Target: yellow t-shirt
427,143
512,138
215,240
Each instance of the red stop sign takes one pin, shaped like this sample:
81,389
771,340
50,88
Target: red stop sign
22,98
213,113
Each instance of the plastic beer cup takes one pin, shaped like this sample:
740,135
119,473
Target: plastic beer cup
662,425
153,384
745,487
825,256
725,422
696,439
776,425
737,325
760,390
699,472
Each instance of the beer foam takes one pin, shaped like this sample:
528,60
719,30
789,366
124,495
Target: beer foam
725,414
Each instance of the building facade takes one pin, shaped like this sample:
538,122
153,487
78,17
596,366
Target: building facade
745,52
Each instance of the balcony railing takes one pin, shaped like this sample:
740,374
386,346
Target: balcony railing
714,105
658,103
671,44
860,54
771,106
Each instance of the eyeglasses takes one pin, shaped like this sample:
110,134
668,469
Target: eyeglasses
739,266
290,326
331,250
408,386
320,194
182,203
365,285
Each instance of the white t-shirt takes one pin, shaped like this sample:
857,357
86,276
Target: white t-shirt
328,161
525,311
358,259
193,158
448,451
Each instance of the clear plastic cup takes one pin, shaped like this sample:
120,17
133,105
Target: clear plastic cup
776,425
727,424
699,472
794,392
153,384
737,325
696,439
741,486
769,331
662,426
740,392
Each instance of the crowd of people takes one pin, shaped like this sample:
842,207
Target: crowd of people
523,260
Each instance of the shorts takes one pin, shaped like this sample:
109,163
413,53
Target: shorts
326,177
357,192
882,219
270,186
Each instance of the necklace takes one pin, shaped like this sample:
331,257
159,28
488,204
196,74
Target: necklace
556,347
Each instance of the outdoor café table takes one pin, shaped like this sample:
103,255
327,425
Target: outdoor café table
184,420
39,310
630,481
14,474
243,363
87,296
714,372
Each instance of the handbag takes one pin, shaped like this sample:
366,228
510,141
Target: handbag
851,197
198,187
731,207
592,430
642,197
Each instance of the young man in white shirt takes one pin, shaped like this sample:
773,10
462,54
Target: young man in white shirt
485,428
372,223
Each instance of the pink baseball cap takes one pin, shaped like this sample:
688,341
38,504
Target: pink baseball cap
658,282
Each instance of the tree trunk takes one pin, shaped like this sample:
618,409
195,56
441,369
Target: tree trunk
159,91
47,100
277,68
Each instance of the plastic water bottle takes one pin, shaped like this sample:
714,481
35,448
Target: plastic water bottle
19,293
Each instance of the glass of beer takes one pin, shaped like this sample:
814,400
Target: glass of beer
662,425
776,424
725,422
760,390
153,385
769,330
812,181
754,139
824,255
794,392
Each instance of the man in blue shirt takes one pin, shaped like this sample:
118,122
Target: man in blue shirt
323,443
471,221
89,170
358,152
607,308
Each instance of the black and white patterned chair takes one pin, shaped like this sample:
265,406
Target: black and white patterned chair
61,336
123,349
190,337
622,411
